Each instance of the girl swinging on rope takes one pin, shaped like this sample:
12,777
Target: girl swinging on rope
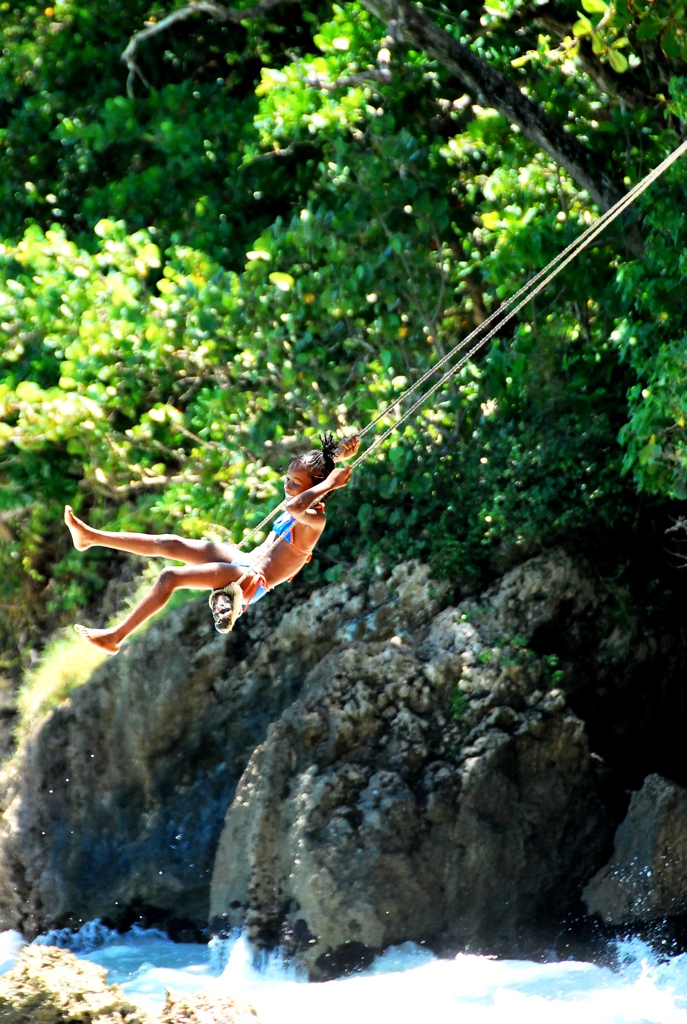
212,565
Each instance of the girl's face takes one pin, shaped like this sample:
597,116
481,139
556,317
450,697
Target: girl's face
296,481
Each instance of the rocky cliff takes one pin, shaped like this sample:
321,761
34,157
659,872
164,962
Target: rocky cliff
646,878
113,805
432,786
355,769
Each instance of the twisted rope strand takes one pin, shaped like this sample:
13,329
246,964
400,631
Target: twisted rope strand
540,281
574,247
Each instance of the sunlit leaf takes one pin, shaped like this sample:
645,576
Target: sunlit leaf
520,62
582,27
598,44
618,61
283,281
648,453
491,219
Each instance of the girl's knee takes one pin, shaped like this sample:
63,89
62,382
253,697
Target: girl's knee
214,552
168,580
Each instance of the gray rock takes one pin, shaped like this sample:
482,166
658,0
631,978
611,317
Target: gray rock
371,816
538,593
114,803
379,768
646,878
204,1008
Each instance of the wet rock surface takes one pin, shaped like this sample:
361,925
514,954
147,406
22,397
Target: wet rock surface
48,985
51,986
344,771
646,878
113,805
432,787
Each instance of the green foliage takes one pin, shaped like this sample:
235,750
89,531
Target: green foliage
66,663
197,279
76,149
553,675
459,704
516,652
651,337
664,20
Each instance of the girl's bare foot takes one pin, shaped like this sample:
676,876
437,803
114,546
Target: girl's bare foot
102,638
79,531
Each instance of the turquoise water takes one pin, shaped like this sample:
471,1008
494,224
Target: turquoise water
407,985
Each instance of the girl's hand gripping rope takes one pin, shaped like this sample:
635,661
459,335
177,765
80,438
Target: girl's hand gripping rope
347,448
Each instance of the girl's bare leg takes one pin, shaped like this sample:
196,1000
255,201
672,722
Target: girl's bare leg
194,577
180,549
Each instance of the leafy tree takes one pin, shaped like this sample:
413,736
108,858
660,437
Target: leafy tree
269,223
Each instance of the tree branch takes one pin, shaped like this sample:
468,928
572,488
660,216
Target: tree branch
679,526
282,154
494,89
208,7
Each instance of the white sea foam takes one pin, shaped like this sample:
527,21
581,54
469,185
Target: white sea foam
10,946
407,984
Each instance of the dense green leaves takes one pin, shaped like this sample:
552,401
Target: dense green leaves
198,278
652,338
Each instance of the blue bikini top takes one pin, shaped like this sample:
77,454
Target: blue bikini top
283,527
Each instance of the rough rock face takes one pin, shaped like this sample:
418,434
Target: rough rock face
430,787
422,776
8,712
114,804
205,1009
51,986
646,878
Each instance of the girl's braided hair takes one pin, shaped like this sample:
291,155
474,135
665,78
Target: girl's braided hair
318,464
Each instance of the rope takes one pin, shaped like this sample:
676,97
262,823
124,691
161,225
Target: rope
256,529
531,288
503,315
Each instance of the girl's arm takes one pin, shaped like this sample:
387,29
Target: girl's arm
299,506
